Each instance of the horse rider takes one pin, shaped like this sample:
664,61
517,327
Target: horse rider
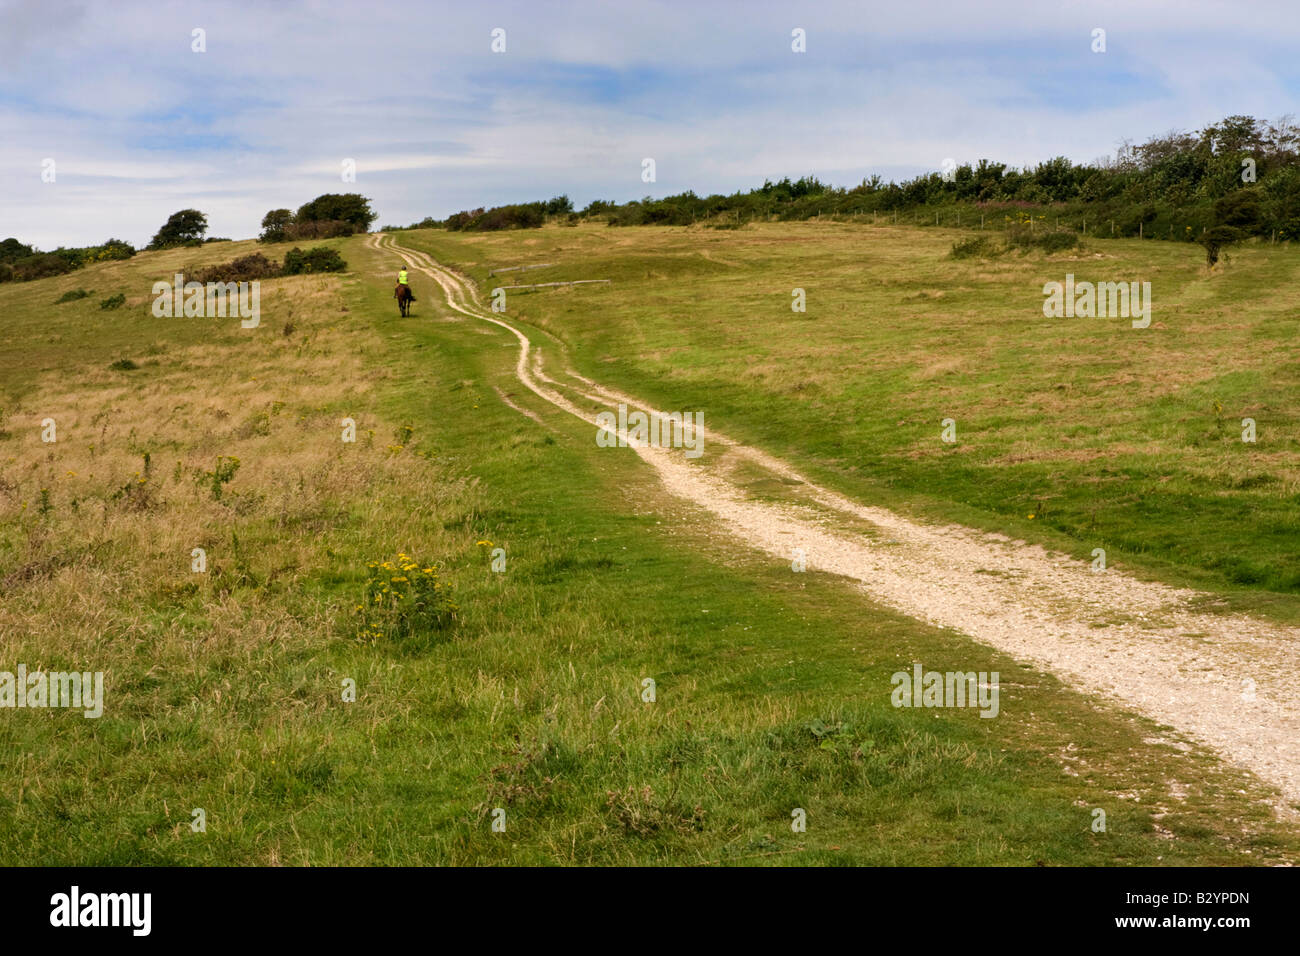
402,278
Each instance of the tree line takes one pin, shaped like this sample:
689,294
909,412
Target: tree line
1235,178
325,216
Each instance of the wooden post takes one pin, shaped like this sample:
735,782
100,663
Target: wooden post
1112,228
1139,229
981,220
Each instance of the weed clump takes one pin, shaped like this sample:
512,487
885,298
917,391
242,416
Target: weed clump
981,247
320,259
1017,237
402,598
1051,240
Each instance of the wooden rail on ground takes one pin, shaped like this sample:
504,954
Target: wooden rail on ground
540,265
543,285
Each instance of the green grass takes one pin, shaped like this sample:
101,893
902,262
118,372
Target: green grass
1111,436
224,690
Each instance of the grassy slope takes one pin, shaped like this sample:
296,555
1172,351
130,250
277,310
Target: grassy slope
1112,437
224,688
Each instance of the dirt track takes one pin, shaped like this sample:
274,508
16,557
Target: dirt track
1228,682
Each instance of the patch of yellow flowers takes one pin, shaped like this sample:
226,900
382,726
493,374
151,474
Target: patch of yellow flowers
403,597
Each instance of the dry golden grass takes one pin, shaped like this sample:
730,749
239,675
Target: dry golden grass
96,533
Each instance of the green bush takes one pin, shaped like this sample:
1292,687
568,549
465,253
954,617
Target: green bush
1057,241
73,296
244,269
351,208
42,266
113,302
1049,240
320,259
11,250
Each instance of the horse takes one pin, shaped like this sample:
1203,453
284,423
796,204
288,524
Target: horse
404,298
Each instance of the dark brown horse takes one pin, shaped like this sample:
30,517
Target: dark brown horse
404,298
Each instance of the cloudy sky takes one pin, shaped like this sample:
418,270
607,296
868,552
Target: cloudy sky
139,125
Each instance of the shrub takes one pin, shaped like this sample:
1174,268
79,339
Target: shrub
124,365
113,302
110,251
1058,240
73,296
1215,239
521,216
42,266
244,269
319,259
1025,238
11,250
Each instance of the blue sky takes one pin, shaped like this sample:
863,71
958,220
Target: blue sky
139,125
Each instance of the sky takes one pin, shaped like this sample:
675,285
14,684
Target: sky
134,124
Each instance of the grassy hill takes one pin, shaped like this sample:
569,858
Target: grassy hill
225,689
1109,436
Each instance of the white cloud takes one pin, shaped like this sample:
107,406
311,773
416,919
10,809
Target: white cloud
141,126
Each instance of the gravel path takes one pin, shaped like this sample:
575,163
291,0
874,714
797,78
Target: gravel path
1227,681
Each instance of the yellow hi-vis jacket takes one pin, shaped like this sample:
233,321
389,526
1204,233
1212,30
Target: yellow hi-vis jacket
401,277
